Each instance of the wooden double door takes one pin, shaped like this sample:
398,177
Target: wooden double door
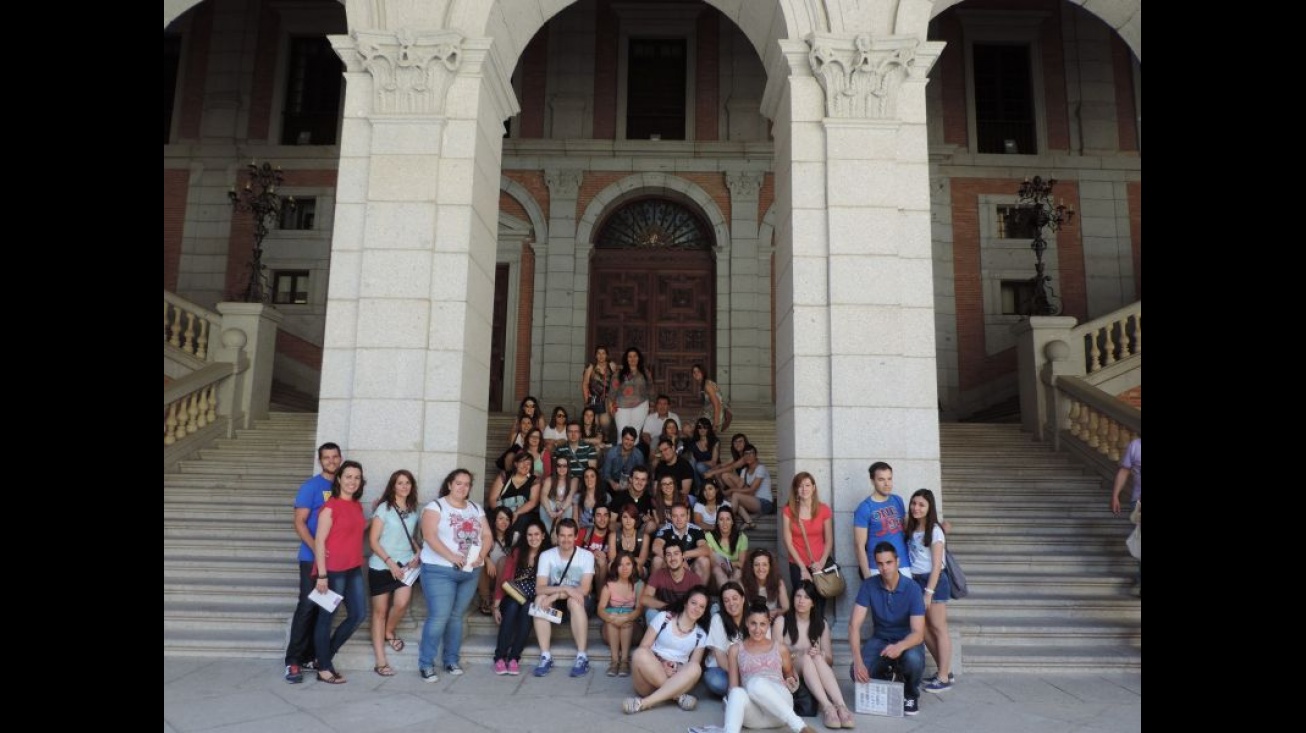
663,302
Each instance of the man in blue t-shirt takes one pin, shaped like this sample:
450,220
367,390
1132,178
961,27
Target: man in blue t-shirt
313,493
897,610
879,518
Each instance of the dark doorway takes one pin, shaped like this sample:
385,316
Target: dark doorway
498,336
653,286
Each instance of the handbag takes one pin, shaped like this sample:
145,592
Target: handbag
956,576
828,580
521,590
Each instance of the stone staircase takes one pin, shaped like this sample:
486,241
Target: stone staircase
1046,561
229,574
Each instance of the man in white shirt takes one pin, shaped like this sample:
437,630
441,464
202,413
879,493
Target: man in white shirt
654,422
564,577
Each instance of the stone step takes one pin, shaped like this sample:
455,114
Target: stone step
1052,659
289,475
989,608
979,564
1034,584
1049,631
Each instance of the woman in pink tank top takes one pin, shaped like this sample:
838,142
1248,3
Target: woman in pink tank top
762,680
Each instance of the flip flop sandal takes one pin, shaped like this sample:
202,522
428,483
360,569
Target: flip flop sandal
334,679
384,670
395,643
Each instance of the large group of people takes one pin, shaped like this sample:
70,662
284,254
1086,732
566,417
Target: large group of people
650,538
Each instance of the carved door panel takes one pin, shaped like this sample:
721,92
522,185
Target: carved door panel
662,302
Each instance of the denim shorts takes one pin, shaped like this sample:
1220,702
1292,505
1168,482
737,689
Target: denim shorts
942,589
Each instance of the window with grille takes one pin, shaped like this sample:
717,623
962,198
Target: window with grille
1004,98
313,85
302,216
656,87
290,287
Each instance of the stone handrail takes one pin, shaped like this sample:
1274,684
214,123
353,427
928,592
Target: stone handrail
191,403
1111,338
188,326
1094,424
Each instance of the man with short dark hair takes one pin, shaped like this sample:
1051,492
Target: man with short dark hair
750,489
313,493
620,461
897,609
689,536
652,427
669,583
579,455
565,575
595,539
637,495
675,466
880,517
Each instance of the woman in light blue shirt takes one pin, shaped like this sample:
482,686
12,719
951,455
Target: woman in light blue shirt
394,553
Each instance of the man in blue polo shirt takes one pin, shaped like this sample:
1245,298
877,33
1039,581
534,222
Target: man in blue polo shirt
897,610
312,495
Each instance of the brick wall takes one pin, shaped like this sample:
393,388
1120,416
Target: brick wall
175,186
605,71
533,182
197,71
240,244
765,196
975,366
1123,81
714,184
265,59
952,81
706,79
305,352
525,312
535,72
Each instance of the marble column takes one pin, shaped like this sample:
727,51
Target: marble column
405,371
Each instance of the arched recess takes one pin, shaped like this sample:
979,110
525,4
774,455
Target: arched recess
525,280
1126,17
676,189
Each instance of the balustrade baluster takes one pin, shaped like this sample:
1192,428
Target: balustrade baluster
1094,355
165,320
176,327
1138,333
1093,420
192,412
210,404
1110,449
188,344
1109,336
202,344
170,425
1075,416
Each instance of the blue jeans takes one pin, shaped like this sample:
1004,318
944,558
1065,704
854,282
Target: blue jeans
514,630
911,665
348,583
302,648
717,680
448,592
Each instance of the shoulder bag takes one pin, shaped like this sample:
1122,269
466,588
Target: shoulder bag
956,576
828,581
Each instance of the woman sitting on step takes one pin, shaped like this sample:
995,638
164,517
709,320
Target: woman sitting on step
762,679
804,630
667,664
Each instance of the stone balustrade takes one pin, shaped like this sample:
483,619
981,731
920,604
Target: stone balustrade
1111,338
1095,424
217,384
187,326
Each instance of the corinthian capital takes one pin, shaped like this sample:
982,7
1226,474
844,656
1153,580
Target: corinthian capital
862,75
744,184
411,70
563,183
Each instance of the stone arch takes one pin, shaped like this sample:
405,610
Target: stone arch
539,222
1125,18
641,184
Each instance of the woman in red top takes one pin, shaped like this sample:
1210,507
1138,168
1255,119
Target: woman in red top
338,555
805,514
